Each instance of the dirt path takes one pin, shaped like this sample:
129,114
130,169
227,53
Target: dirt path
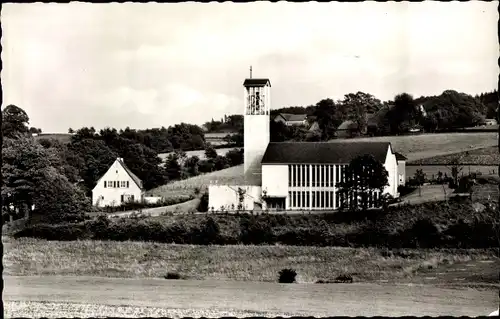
72,295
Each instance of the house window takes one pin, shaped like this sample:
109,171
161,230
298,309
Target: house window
289,175
123,184
127,184
307,199
104,184
122,198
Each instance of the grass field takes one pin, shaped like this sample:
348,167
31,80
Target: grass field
28,257
430,170
200,153
416,147
228,176
482,156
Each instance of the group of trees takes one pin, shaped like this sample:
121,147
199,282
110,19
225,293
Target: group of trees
448,111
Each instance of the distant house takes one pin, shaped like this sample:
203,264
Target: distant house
489,122
117,186
291,119
349,128
401,159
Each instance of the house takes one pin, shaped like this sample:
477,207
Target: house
292,175
349,128
489,122
291,119
117,186
401,159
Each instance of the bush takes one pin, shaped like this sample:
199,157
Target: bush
144,205
172,275
287,276
203,206
62,232
344,279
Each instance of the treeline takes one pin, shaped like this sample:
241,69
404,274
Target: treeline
46,177
432,225
449,111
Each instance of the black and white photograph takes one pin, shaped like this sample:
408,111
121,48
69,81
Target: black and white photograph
250,159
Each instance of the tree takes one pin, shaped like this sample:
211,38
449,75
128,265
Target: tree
14,121
191,165
71,131
235,157
34,130
364,176
455,166
420,180
30,180
329,116
173,167
210,152
404,115
357,106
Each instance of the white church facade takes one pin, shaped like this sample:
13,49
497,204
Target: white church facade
292,175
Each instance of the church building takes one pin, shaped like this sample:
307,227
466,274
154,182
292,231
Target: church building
292,175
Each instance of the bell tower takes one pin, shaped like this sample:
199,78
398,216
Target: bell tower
257,94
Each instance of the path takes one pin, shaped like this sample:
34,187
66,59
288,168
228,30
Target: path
363,299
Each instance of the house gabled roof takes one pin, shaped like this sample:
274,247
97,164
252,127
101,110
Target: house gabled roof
293,117
134,177
322,152
256,82
400,157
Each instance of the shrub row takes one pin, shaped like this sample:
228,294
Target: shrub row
143,205
404,227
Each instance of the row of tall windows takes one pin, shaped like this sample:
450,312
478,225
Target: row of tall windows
315,175
314,199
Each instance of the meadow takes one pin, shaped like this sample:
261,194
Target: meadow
417,147
199,153
32,257
482,156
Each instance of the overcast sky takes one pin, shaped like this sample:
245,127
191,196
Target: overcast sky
152,65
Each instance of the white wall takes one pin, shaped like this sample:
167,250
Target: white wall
391,165
275,180
227,195
152,199
112,196
256,139
402,172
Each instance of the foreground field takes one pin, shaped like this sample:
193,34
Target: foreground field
31,257
98,297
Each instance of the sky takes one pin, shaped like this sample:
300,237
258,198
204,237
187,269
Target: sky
146,65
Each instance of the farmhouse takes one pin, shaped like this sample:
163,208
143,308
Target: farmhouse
291,175
291,119
117,186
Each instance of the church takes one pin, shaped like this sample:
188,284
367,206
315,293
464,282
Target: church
292,175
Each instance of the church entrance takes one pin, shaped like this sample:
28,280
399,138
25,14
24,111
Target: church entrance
276,203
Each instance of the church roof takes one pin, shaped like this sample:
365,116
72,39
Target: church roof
400,157
256,82
322,152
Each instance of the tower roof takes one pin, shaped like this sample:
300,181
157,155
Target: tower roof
322,152
256,82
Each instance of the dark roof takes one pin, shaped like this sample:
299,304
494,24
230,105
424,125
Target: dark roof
134,177
322,152
400,157
293,117
256,82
